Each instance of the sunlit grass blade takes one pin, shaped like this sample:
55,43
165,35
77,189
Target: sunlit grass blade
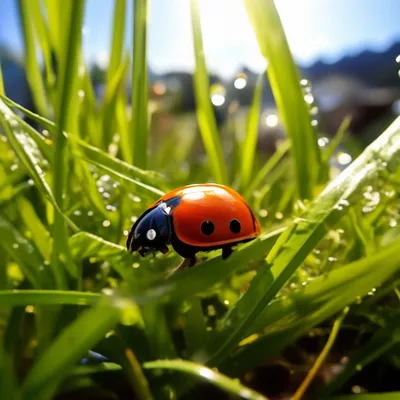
267,168
28,157
17,298
249,146
287,318
22,251
285,84
140,113
79,337
40,27
111,99
368,396
302,236
32,66
228,385
205,115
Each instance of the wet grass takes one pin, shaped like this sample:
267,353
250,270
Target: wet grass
73,180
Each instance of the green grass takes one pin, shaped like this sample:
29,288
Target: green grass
71,184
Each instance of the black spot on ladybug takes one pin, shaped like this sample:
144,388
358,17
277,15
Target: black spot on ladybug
207,227
234,226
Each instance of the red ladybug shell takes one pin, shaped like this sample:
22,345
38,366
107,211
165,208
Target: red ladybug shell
231,217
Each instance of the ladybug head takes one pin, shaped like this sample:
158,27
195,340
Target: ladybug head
152,231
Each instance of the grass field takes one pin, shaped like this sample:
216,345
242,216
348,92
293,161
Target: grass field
74,176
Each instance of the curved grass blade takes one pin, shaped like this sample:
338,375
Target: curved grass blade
368,396
98,157
32,67
28,158
79,337
66,118
250,142
301,237
204,110
285,84
140,113
17,298
228,385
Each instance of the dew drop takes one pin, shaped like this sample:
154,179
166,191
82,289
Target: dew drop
15,246
106,223
77,213
90,213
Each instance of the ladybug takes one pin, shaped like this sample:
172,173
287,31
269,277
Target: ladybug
193,218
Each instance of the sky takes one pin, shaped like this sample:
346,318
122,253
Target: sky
316,29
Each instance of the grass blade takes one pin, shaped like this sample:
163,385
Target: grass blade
368,396
17,298
301,237
205,115
249,146
32,67
285,84
140,113
228,385
79,337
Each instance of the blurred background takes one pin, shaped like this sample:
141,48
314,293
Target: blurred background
346,51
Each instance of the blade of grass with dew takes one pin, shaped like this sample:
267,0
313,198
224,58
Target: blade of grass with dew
40,235
18,298
382,341
285,84
192,281
93,154
32,66
301,237
292,316
228,385
140,112
66,118
22,251
205,115
53,366
28,158
52,9
40,27
250,142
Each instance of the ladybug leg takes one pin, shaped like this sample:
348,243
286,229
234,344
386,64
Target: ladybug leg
226,252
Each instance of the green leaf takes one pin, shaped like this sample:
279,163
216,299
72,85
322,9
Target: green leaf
32,67
140,114
228,385
16,298
66,118
284,79
249,146
204,110
79,337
